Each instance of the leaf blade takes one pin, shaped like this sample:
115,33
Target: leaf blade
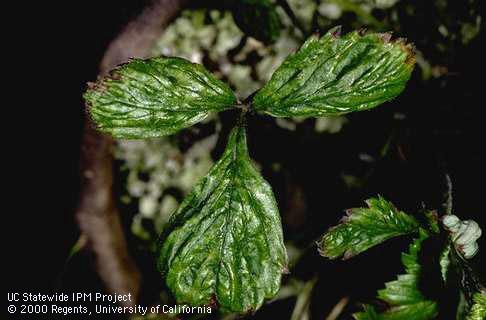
478,309
155,97
405,290
225,241
364,228
403,294
336,75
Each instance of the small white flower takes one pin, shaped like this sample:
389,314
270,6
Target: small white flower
464,234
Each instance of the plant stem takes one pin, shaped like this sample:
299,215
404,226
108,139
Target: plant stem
448,200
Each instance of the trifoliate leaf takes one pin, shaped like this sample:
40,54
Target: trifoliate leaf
403,295
258,19
478,310
155,97
224,244
336,75
363,228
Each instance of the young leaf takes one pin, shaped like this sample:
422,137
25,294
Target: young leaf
403,295
478,309
336,75
258,19
225,244
363,228
405,290
155,97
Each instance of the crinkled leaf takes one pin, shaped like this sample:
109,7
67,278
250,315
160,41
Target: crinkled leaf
258,19
478,310
225,241
155,97
403,294
419,311
405,290
337,75
363,228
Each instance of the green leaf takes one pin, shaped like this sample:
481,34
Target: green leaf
155,97
403,295
478,310
258,19
363,228
225,242
337,75
419,311
405,290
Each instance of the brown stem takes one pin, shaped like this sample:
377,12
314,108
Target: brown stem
97,215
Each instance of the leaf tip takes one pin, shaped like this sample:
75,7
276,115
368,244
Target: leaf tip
285,270
322,251
408,48
348,254
91,85
362,31
336,31
213,302
386,36
345,218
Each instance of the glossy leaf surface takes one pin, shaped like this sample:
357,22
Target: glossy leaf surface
155,97
224,244
337,75
363,228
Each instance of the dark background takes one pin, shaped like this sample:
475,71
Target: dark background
60,47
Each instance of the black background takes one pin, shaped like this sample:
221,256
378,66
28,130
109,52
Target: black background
57,48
